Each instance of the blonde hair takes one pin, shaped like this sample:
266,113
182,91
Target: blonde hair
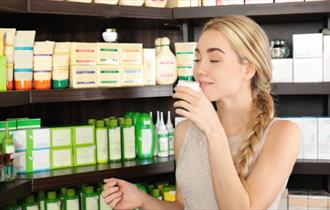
251,45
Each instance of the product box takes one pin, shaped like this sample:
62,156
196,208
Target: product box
310,138
284,201
25,123
300,122
132,75
108,75
83,76
149,66
178,3
307,45
10,123
38,161
298,200
208,3
308,70
195,3
229,2
84,155
61,137
83,53
131,54
108,53
3,73
323,138
40,138
21,139
20,162
258,1
326,58
285,1
317,200
282,70
61,157
83,135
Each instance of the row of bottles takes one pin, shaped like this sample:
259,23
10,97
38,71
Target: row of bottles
7,151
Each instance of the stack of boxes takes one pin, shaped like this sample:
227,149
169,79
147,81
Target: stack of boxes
84,146
61,154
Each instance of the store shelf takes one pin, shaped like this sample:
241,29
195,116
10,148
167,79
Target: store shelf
14,98
77,176
317,167
301,88
90,94
98,10
295,10
12,191
13,6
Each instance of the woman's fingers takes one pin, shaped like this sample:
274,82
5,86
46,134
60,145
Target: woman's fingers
112,197
109,191
115,201
183,104
110,184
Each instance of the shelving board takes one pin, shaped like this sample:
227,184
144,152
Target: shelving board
98,10
89,94
294,10
13,6
77,176
12,191
301,88
317,167
14,98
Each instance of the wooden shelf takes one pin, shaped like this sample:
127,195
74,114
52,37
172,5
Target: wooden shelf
12,191
277,11
317,167
13,6
301,88
98,10
96,173
90,94
14,98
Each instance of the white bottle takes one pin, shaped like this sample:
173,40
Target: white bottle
156,135
162,135
170,131
166,72
158,45
155,3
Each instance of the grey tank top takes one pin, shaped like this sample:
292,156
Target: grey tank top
193,171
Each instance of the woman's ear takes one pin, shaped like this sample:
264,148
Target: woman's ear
249,71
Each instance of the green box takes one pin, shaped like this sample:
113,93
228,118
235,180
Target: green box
22,140
11,125
3,73
29,161
61,157
84,155
28,123
83,135
60,137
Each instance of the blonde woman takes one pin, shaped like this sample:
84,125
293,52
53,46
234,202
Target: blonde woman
237,156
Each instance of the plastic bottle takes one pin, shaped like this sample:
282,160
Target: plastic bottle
8,151
156,194
71,200
162,134
170,131
156,134
91,122
101,142
52,202
103,205
41,196
114,141
62,195
89,199
166,72
128,140
30,203
145,136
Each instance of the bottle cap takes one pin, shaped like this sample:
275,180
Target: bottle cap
100,124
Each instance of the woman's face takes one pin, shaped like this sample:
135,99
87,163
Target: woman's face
217,67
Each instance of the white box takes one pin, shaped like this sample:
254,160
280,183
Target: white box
229,2
324,138
20,139
326,58
284,1
284,201
308,70
299,121
61,137
307,45
317,200
208,3
195,3
310,138
20,162
41,138
282,70
40,160
298,202
258,1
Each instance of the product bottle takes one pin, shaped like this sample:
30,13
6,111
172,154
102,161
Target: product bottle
41,199
62,195
101,142
162,134
52,202
91,122
71,200
128,140
158,45
170,131
102,203
114,141
156,194
145,133
90,199
166,72
30,203
156,134
8,151
2,174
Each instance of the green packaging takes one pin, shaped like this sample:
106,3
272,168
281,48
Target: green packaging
101,142
52,202
89,198
145,136
71,200
128,140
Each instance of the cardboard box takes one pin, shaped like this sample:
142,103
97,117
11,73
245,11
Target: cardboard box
282,70
308,70
61,137
307,45
326,58
83,135
61,157
84,155
323,138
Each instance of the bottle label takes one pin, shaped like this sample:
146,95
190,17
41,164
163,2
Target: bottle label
72,204
162,145
146,141
114,144
129,143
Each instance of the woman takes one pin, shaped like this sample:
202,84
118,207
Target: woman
238,157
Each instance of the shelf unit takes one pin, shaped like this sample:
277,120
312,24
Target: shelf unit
13,6
12,191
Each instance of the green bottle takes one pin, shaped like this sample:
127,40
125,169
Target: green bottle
128,140
145,136
156,194
106,121
121,121
8,150
91,122
90,199
13,206
114,141
103,205
52,202
101,142
135,116
30,203
41,196
62,195
71,200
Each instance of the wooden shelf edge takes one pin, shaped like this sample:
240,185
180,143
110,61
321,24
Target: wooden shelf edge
14,98
301,88
11,192
316,167
13,6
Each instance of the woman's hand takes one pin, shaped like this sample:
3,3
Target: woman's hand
120,194
197,108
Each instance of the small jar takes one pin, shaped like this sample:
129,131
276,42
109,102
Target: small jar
110,35
279,49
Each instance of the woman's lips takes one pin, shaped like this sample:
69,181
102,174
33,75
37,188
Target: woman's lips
204,84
